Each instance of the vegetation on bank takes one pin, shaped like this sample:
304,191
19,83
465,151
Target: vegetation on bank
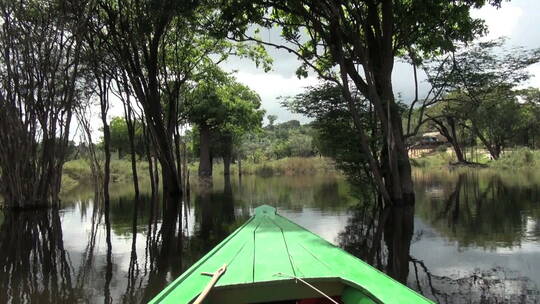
518,158
289,166
77,172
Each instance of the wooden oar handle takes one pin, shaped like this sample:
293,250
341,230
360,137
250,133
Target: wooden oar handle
215,277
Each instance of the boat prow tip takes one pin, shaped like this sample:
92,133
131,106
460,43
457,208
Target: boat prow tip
265,209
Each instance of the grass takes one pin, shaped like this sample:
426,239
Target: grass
516,159
78,173
519,158
433,160
289,166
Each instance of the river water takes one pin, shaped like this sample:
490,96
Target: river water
476,236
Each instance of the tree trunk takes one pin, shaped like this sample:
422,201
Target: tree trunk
459,153
109,265
227,155
103,84
398,234
205,163
493,149
131,132
239,166
451,136
153,183
104,102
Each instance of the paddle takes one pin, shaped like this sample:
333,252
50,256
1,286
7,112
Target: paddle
215,277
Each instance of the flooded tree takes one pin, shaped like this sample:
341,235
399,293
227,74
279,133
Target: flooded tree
223,110
40,87
319,34
369,235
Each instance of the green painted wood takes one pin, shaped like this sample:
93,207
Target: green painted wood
348,267
269,244
271,252
353,296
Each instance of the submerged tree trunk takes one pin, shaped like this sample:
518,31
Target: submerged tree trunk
239,166
152,176
398,235
128,113
205,161
103,91
227,154
40,68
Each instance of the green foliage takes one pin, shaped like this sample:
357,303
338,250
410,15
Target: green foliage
288,166
271,120
120,136
223,104
516,159
226,108
481,96
419,28
287,139
334,134
77,172
498,116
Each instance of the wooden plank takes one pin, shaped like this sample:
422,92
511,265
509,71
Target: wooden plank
191,283
307,263
271,253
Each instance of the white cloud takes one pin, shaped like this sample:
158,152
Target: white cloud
535,80
500,22
271,86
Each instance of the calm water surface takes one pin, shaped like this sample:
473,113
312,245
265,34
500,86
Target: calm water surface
476,236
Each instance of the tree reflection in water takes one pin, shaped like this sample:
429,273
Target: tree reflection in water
33,262
381,236
472,212
64,256
496,285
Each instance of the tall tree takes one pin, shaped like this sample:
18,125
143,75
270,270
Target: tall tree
355,44
139,35
222,109
449,118
39,88
496,120
480,80
530,116
162,45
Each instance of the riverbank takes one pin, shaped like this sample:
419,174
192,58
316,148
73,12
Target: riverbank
288,166
77,172
519,158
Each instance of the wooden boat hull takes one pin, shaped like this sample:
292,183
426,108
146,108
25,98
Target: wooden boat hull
271,259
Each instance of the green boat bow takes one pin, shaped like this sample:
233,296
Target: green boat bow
270,258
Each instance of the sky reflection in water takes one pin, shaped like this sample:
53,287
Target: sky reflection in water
476,237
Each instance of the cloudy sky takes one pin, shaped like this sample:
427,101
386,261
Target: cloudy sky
519,20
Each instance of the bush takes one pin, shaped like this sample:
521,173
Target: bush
519,158
77,172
